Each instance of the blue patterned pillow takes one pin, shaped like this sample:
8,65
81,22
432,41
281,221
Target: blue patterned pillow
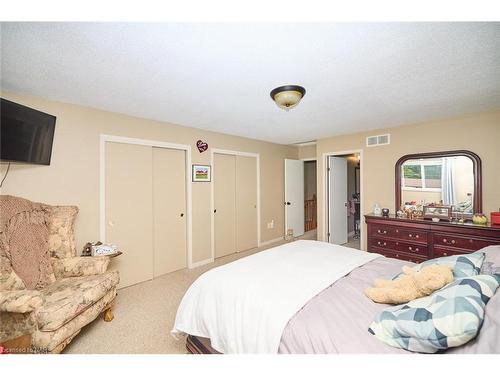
447,318
464,265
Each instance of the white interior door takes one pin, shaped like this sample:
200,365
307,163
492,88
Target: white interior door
294,196
337,203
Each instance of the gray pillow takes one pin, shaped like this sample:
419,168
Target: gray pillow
491,263
464,265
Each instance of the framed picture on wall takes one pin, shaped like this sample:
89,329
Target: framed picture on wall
202,173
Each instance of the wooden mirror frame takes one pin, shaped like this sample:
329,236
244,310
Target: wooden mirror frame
476,166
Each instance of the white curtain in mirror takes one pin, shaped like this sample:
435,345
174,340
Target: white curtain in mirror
448,194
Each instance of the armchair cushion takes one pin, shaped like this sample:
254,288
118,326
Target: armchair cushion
79,266
61,231
20,301
67,298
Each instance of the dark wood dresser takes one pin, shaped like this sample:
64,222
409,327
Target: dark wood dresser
419,240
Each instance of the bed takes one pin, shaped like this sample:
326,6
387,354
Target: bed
335,320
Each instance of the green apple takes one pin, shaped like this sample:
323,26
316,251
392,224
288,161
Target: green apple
479,219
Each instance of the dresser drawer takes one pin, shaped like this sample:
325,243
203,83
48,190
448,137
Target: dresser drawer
411,235
440,251
382,243
399,255
412,248
465,243
383,230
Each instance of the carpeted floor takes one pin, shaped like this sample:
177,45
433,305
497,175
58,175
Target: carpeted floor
353,243
145,314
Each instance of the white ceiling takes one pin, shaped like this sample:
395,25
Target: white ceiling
218,76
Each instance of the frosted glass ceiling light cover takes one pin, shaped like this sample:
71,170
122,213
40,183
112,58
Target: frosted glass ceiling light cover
287,97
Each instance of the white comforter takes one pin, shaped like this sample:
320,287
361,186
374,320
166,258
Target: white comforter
244,306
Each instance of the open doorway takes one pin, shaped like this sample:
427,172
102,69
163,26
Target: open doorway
310,198
300,199
343,203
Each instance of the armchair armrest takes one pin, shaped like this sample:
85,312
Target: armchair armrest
20,301
79,266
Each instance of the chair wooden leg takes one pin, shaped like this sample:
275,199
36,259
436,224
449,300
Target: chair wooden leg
108,315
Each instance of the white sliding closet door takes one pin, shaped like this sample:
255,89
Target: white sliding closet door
129,210
246,203
224,180
169,210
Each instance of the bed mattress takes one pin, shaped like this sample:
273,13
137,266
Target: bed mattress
336,320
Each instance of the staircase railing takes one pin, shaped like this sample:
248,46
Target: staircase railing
310,214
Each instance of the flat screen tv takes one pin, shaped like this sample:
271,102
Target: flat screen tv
26,135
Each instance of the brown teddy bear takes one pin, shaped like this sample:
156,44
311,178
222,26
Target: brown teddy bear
412,285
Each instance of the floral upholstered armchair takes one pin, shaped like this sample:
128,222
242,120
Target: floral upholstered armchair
46,291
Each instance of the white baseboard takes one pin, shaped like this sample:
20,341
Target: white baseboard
270,242
211,260
201,263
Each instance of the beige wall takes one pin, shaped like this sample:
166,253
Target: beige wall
479,133
307,152
73,176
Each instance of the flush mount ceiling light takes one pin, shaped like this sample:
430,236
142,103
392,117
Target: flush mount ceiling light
287,97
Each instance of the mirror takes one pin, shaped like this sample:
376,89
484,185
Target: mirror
451,178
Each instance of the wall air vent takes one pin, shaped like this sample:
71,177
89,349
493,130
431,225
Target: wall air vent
378,140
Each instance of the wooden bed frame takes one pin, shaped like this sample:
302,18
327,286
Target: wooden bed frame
199,345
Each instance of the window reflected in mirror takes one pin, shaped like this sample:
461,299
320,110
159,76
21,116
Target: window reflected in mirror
447,180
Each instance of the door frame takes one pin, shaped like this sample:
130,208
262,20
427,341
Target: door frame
212,199
326,191
103,139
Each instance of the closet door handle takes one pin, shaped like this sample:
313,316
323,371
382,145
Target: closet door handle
288,203
182,214
215,211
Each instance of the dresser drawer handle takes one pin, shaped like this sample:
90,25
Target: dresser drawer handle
382,244
445,254
381,231
453,242
416,250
